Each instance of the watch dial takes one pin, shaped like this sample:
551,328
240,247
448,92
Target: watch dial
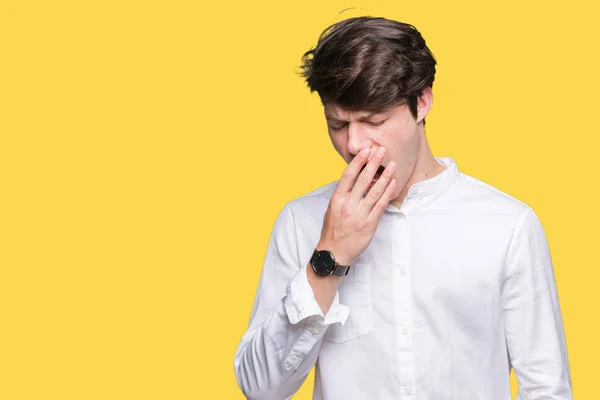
322,262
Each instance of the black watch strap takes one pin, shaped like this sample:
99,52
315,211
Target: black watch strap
340,270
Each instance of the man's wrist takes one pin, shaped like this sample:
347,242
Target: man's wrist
311,274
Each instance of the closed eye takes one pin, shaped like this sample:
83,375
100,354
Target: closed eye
337,128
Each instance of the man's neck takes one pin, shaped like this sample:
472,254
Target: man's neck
426,168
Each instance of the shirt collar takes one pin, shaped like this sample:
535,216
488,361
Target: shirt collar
438,182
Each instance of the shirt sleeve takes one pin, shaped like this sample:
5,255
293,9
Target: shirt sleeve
286,325
532,317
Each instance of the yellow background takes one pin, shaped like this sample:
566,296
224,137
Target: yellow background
147,147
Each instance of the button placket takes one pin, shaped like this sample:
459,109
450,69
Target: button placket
314,330
403,303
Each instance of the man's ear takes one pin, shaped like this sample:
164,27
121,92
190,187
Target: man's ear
424,104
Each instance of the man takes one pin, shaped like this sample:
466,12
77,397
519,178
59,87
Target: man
405,279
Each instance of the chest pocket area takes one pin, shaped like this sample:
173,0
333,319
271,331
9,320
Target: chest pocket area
355,292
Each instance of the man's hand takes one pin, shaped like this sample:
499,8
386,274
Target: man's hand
351,218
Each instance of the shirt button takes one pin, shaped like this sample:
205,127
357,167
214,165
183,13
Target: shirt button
402,271
407,391
404,331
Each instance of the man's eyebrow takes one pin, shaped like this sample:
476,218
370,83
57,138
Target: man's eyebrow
361,119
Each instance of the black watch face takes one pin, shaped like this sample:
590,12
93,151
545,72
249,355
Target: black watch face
322,262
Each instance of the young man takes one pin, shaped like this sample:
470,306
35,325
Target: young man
405,279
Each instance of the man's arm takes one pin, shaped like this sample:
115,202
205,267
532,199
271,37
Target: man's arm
287,324
532,317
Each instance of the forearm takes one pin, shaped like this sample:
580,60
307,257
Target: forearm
275,355
274,358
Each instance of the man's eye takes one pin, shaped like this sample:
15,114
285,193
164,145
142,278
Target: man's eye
337,128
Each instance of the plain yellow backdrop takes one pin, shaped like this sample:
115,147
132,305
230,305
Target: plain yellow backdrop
147,147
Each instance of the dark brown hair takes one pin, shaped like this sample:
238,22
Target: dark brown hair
368,63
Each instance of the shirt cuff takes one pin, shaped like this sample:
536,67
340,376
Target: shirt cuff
300,302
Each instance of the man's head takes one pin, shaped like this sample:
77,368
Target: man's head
374,77
368,64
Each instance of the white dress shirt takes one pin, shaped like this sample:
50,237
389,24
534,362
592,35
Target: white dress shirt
456,288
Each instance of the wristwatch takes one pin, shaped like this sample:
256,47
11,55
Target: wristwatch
323,263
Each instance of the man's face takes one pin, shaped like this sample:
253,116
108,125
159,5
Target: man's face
395,129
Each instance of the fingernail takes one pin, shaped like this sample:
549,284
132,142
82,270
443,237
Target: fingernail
380,151
365,152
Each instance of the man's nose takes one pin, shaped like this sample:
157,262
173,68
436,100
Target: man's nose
357,140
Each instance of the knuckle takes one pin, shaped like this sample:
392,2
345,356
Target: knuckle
369,224
346,209
375,218
363,180
348,173
375,193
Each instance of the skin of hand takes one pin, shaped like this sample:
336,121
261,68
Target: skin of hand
352,216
